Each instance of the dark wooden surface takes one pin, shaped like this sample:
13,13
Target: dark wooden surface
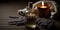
5,26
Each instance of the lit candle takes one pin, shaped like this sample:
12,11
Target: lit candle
43,5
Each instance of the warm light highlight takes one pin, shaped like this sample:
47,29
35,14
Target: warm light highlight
42,3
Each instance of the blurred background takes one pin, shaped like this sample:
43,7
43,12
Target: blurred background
10,8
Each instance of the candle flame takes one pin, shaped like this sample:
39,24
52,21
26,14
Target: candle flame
43,6
42,3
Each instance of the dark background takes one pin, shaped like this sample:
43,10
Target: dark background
10,7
